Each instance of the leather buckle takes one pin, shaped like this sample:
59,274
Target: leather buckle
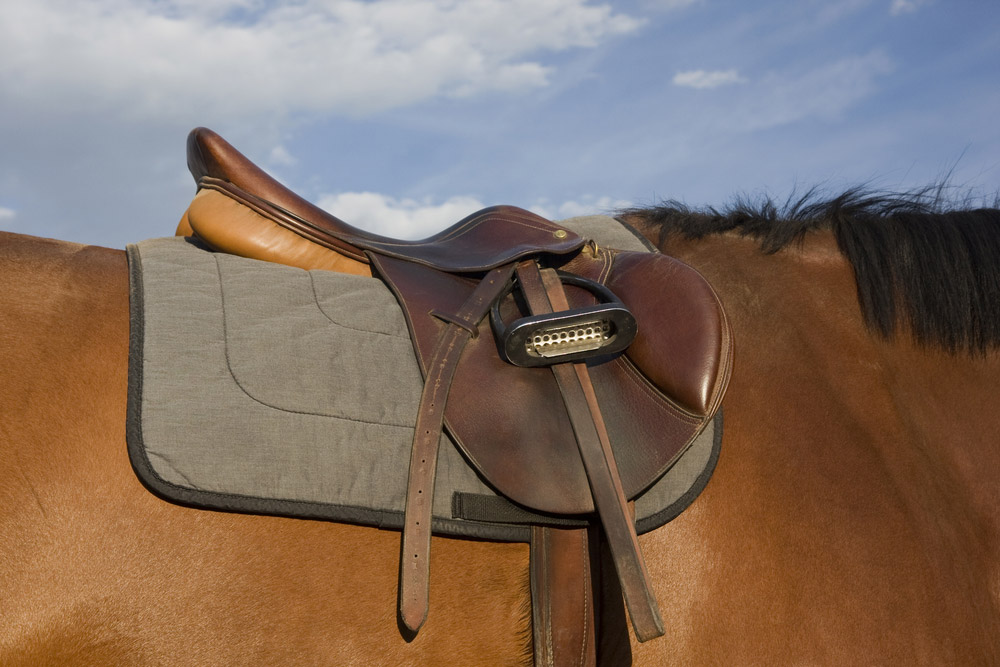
570,335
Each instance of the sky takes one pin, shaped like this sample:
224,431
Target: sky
403,116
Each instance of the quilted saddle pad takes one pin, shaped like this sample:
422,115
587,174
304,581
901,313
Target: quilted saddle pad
261,388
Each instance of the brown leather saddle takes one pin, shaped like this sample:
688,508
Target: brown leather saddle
570,376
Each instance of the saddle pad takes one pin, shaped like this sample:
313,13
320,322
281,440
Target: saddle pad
261,388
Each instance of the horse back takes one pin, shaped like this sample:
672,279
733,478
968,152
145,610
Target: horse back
63,332
95,569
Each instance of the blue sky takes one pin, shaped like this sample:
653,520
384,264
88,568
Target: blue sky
405,115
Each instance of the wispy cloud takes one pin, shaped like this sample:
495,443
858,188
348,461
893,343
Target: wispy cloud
700,78
670,5
781,98
588,205
158,59
279,155
7,213
906,6
414,219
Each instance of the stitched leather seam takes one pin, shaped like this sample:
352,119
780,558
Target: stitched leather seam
607,260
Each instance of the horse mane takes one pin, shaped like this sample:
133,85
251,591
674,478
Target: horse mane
922,261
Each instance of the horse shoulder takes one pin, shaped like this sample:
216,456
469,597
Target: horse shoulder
847,509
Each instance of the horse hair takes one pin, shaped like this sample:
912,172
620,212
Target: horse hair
922,260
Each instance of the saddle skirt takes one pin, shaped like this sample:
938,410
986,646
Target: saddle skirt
262,388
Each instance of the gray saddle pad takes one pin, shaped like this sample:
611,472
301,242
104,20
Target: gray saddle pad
261,388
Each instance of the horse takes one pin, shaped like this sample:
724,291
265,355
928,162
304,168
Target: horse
853,516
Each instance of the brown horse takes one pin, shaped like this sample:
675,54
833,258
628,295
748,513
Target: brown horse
853,518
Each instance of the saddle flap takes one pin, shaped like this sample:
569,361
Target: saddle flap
510,422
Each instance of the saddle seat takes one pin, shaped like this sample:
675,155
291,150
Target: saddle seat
493,237
510,422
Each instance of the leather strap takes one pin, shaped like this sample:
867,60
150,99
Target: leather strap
563,601
414,564
544,293
614,646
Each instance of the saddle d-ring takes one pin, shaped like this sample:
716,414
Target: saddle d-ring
570,335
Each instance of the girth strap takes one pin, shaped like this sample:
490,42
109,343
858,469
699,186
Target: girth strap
414,577
544,293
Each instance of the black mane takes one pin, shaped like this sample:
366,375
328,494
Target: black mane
921,261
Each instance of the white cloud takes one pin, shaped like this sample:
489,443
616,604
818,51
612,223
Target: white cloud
906,6
7,213
415,219
399,218
700,78
280,156
670,5
160,58
588,205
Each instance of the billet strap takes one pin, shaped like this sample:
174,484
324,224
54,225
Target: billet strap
563,601
414,563
544,293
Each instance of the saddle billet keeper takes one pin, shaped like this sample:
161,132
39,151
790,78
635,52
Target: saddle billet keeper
544,339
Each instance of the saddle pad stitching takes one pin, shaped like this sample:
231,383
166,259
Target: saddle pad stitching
320,508
319,306
232,374
167,463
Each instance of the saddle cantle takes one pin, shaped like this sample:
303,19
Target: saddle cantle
568,438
